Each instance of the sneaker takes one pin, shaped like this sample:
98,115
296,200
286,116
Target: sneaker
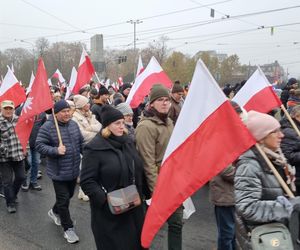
71,236
2,194
24,187
39,175
54,217
35,186
298,241
11,209
82,195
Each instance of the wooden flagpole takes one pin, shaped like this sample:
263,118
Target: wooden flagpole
290,119
57,129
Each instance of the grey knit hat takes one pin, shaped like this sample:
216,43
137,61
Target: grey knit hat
124,108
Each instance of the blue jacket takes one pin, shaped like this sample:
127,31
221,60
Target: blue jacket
60,167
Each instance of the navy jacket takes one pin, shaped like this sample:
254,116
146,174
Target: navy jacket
60,167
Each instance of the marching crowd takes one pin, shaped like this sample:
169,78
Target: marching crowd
95,139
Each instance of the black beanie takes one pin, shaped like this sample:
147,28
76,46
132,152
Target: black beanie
158,91
110,115
60,105
102,91
125,86
177,88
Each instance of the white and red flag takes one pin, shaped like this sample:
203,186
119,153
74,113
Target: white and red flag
38,100
30,83
208,136
140,67
143,83
257,94
58,75
11,89
71,83
120,81
85,72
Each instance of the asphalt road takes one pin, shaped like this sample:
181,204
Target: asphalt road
31,228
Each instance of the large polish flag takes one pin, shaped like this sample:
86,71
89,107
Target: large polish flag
71,83
208,136
140,67
85,72
11,89
143,83
257,94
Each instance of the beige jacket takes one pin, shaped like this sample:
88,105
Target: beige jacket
88,125
152,138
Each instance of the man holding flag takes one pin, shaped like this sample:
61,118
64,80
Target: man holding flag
152,136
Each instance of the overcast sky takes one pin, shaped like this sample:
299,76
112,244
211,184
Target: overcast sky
184,22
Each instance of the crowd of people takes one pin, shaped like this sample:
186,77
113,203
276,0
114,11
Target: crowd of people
95,139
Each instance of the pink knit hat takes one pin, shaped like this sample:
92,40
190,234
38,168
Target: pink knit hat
80,101
260,125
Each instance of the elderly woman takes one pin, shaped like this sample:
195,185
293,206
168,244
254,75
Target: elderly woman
88,126
259,198
110,162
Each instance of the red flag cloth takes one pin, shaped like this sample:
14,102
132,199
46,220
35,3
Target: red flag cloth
120,81
140,67
11,89
257,94
85,72
38,100
143,83
208,136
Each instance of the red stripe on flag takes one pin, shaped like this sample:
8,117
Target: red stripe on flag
16,94
263,101
216,143
146,85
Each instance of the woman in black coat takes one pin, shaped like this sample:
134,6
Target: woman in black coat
109,161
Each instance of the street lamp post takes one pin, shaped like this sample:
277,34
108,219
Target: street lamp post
134,22
33,51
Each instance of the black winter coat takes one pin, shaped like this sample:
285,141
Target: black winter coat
60,167
102,164
290,146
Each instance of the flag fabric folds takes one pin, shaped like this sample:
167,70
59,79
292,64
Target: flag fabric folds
208,136
257,94
11,89
85,72
143,83
38,100
140,67
71,83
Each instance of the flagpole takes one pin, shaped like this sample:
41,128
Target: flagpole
97,77
290,119
275,172
57,129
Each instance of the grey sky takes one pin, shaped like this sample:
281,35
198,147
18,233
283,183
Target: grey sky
67,16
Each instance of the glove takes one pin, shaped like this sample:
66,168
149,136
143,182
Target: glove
286,204
295,203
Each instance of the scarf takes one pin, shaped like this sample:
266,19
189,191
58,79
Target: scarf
153,112
279,160
126,157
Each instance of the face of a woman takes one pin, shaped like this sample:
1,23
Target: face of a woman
117,127
273,140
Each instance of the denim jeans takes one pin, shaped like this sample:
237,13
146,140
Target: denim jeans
34,160
13,175
64,191
226,227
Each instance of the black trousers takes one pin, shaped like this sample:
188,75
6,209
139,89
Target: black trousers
64,191
13,175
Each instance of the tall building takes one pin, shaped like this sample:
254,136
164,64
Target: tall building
97,55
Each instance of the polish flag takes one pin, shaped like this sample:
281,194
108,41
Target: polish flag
208,136
58,75
257,94
143,83
11,89
140,67
120,81
38,101
85,72
30,83
71,83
